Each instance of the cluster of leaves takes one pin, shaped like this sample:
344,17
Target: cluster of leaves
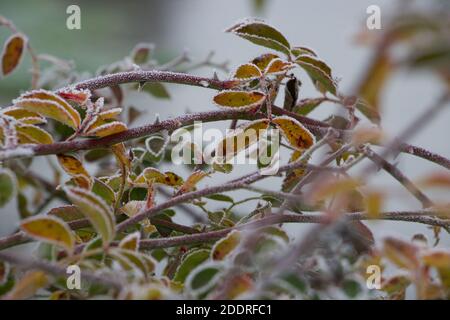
233,262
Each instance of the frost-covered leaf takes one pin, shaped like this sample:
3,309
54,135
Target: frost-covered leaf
298,50
261,34
131,241
49,229
294,132
106,129
241,138
263,60
49,105
319,72
239,99
23,115
75,169
278,66
225,246
29,133
8,186
78,96
191,181
66,213
95,210
190,261
203,278
247,71
28,285
13,52
104,191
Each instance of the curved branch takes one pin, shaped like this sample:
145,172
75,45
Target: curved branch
423,217
152,76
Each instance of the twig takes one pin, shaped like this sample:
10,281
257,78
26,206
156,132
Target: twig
421,216
400,177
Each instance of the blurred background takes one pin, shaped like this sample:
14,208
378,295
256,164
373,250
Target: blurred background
110,29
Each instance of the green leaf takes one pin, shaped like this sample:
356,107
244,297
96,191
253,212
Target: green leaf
306,106
8,186
95,209
203,278
319,72
155,89
104,191
189,262
220,197
261,34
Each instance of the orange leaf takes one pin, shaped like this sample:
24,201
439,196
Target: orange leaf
247,71
239,99
50,105
295,133
75,168
12,53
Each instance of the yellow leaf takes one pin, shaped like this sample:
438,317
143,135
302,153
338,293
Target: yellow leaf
95,210
152,175
110,114
437,258
24,116
75,168
131,241
29,133
28,285
192,181
13,52
49,229
401,253
241,139
295,133
373,204
372,85
247,71
294,176
263,60
50,105
277,66
239,99
225,246
107,129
